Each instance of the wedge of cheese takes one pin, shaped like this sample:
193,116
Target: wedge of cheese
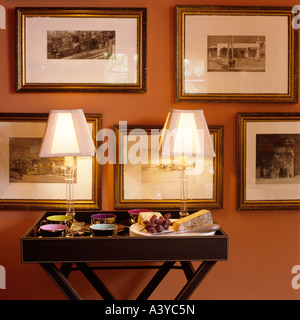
197,219
147,216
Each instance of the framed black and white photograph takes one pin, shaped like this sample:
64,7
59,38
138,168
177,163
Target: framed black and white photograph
145,179
81,49
28,181
268,160
236,54
81,45
25,165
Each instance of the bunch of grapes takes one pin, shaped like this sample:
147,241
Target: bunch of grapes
156,224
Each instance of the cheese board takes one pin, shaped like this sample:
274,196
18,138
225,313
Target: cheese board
137,230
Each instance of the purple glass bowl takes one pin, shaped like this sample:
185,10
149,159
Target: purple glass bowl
53,230
137,211
103,218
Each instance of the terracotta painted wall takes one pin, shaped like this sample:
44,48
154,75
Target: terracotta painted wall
264,245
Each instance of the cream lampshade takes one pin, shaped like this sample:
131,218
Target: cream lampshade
67,135
186,135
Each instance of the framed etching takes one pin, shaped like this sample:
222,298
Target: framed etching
268,161
232,62
28,181
81,49
143,179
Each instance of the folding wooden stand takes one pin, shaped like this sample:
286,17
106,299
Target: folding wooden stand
82,254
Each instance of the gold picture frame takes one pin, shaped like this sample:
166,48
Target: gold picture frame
268,161
81,49
30,182
133,181
230,62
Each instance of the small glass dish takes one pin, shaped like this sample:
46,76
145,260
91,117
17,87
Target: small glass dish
53,230
134,214
99,218
103,230
60,219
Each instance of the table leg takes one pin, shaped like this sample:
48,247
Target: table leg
155,281
188,269
95,281
195,280
66,268
60,280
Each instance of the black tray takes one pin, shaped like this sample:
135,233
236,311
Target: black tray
122,248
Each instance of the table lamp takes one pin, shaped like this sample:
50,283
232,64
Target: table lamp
185,135
67,135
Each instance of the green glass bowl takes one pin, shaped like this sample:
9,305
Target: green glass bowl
60,218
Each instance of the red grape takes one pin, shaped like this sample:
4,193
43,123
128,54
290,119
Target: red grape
152,230
159,228
166,226
167,216
160,220
156,224
153,218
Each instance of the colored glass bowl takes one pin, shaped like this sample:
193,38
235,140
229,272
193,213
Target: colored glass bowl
53,230
60,219
103,230
137,211
134,213
99,218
